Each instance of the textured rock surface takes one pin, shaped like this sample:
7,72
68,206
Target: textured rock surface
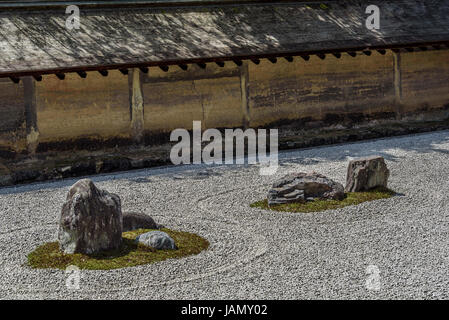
301,187
157,240
91,220
366,173
135,220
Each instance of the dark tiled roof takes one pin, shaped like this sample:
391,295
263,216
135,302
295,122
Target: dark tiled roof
38,41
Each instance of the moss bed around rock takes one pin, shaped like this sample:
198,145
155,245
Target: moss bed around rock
130,254
351,198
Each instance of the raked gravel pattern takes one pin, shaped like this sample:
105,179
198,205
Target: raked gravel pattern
254,253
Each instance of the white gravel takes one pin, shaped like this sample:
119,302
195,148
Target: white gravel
256,254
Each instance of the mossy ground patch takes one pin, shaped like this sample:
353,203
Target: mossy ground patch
351,198
130,254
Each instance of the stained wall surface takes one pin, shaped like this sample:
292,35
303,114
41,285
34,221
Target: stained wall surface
321,88
94,107
12,117
425,80
101,109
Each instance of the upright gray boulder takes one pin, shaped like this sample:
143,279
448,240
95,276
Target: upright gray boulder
366,173
91,220
302,187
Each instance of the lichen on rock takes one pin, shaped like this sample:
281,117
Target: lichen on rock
91,220
366,174
302,187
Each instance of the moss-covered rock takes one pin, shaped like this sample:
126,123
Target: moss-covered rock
351,198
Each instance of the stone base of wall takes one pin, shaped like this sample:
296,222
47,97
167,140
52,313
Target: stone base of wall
66,164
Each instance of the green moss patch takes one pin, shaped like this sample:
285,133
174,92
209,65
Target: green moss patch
130,254
351,198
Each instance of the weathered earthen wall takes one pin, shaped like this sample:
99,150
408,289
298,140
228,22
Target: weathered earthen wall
94,108
333,90
424,81
303,99
175,98
329,89
12,118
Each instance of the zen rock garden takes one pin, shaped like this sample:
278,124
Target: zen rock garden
95,233
92,221
364,175
332,222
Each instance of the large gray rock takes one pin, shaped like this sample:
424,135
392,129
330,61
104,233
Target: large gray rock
157,240
302,187
366,173
91,220
134,221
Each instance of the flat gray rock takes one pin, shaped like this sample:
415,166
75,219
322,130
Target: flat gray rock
91,220
157,240
302,187
366,173
135,220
